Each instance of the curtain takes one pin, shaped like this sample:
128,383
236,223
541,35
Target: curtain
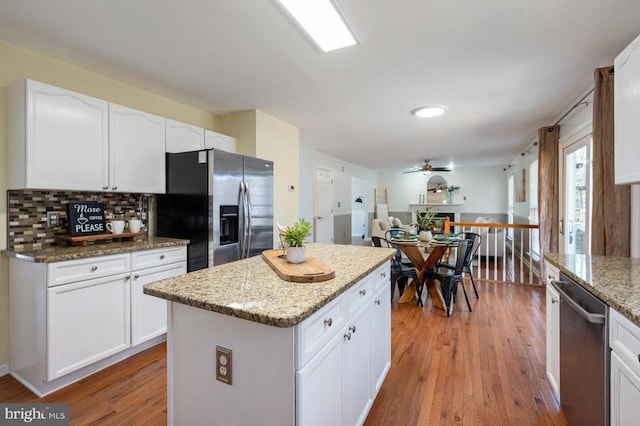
610,220
548,211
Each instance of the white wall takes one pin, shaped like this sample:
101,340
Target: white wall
484,188
358,210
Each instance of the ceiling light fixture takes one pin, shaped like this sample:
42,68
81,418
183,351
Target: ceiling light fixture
429,111
323,21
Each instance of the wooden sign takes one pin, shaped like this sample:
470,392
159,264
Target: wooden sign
85,218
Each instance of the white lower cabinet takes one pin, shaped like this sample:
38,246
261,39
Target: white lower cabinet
553,330
338,384
148,313
624,340
72,318
87,321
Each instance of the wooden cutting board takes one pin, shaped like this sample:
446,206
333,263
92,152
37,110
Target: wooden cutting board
309,271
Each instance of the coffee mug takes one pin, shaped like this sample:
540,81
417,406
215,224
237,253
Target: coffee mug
116,226
135,225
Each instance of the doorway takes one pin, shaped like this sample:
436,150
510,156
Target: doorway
323,206
359,218
577,191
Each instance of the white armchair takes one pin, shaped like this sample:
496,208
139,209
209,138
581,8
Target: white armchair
492,243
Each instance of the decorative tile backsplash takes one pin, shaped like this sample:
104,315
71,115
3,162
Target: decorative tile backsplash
27,215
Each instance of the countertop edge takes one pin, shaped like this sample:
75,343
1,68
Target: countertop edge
92,250
275,321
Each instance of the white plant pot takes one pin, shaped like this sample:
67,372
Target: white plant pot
425,236
295,254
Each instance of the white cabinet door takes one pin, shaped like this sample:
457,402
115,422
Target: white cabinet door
625,393
182,137
87,321
58,138
136,151
626,106
356,361
219,141
148,313
319,387
380,337
553,339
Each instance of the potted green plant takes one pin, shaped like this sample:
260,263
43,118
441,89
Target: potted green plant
451,189
424,224
294,238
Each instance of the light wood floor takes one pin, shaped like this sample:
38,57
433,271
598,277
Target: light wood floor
480,368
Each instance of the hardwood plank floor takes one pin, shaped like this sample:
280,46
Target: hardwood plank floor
484,367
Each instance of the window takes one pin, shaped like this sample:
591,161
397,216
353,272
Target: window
533,209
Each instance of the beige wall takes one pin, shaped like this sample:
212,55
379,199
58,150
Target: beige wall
16,62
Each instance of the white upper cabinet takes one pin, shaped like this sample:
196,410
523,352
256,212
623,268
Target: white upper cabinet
136,151
182,137
627,110
58,139
219,141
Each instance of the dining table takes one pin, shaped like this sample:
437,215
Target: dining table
423,261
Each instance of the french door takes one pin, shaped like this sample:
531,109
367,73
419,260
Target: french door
577,196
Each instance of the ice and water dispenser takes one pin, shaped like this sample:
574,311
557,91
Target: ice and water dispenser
228,225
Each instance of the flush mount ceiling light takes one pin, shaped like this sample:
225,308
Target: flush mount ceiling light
323,21
429,111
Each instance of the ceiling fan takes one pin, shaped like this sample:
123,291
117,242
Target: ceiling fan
426,168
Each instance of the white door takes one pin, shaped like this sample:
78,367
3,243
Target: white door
356,369
67,139
577,197
380,335
87,321
148,313
625,393
136,151
553,338
324,206
182,137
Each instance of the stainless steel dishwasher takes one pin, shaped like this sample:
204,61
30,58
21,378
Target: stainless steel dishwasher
584,355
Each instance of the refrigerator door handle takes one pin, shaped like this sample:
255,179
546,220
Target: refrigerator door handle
241,224
245,223
248,215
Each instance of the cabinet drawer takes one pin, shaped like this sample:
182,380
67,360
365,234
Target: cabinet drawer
70,271
150,258
361,293
381,276
553,274
314,332
624,339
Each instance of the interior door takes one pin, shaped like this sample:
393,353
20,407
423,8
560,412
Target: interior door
577,197
323,206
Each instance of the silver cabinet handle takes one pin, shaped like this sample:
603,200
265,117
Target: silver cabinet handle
383,274
94,268
136,276
638,357
161,256
114,188
352,329
105,187
554,300
128,277
347,336
363,292
551,277
377,302
328,322
589,316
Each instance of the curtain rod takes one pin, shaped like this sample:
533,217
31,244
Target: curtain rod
580,102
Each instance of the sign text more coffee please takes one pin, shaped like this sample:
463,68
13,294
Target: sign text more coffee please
85,218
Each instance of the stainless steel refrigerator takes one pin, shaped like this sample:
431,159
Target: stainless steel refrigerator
222,202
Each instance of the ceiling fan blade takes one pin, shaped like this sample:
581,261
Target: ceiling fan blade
412,171
440,169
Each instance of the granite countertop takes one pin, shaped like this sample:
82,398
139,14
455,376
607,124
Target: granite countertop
60,253
251,290
614,280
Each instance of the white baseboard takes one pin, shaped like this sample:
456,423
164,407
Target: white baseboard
4,369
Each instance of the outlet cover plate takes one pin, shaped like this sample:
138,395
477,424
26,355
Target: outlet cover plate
224,365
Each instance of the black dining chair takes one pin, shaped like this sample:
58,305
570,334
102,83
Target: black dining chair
467,268
450,278
400,272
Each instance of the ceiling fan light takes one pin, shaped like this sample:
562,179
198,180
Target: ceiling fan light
429,111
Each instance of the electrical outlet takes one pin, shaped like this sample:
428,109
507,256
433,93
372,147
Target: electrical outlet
53,219
223,364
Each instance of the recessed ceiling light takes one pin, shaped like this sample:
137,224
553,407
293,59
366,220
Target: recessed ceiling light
429,111
322,21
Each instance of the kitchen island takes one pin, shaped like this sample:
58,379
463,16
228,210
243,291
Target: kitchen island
300,353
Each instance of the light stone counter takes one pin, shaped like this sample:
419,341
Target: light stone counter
61,253
614,280
251,290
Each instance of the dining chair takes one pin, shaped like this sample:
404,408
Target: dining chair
400,272
450,278
467,268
